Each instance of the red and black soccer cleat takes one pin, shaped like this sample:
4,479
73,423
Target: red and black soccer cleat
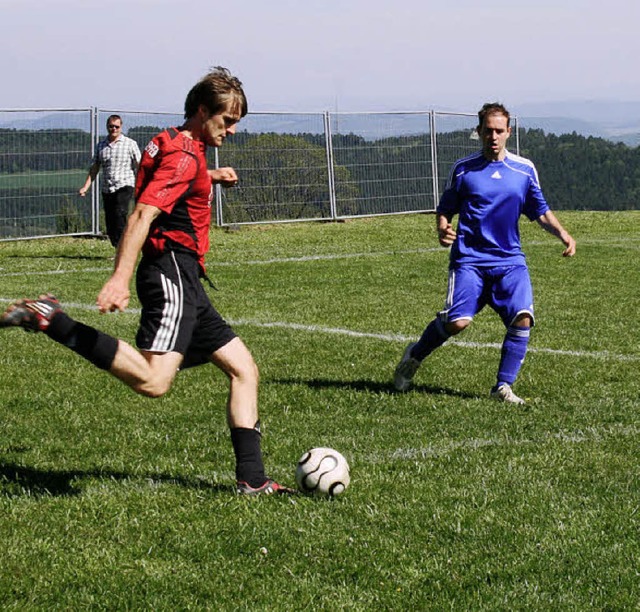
32,315
270,487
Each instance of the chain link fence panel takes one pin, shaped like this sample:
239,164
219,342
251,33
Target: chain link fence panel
291,166
383,163
283,167
43,163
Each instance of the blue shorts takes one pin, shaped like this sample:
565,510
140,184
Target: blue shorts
507,289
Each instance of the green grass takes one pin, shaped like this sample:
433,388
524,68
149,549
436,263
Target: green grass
113,501
70,178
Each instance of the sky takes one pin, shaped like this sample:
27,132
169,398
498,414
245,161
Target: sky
316,55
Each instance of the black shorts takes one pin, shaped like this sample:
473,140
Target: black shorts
177,315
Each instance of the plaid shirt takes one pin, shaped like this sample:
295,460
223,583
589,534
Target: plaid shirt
119,160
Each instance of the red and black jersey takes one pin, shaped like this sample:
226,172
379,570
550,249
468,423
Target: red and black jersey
173,177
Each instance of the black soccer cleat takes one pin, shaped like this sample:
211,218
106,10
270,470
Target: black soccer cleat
32,315
270,487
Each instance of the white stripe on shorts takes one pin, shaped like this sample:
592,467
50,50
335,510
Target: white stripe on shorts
167,333
450,289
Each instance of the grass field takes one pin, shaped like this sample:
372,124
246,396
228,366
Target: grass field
113,501
46,180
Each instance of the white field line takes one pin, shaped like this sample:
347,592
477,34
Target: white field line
54,272
404,339
339,331
328,257
446,448
624,243
253,262
591,434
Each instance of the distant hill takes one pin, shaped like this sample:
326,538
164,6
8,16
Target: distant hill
80,120
614,120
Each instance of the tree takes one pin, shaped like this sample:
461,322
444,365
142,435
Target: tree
282,176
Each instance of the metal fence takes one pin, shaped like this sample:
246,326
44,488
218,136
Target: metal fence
43,162
292,166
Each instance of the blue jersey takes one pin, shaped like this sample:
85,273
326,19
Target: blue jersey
489,197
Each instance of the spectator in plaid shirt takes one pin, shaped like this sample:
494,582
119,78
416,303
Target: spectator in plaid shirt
119,157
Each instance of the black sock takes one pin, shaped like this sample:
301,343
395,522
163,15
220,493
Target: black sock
249,466
99,348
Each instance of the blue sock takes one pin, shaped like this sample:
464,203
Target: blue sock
514,349
433,336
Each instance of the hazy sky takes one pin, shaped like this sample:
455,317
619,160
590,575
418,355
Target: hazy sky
310,55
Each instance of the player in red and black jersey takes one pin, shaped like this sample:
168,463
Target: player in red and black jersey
179,327
173,178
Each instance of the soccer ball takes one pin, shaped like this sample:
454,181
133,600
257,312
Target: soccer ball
323,471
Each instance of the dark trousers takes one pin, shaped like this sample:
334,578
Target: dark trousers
116,211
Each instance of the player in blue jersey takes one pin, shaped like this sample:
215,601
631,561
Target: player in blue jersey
488,191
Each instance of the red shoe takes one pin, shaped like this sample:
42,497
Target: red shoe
268,488
32,315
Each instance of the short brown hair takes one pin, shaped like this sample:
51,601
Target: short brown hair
215,90
492,108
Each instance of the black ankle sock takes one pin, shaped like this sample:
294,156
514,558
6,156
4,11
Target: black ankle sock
249,466
95,346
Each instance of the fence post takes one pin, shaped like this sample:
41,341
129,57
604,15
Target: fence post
331,176
95,191
434,158
218,190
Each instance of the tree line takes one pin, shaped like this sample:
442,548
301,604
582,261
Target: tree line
286,174
585,173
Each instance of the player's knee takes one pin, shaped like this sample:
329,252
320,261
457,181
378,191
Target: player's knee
154,388
154,392
151,392
248,372
242,370
523,320
455,327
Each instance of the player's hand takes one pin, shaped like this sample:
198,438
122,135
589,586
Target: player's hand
114,296
570,243
82,191
226,177
446,235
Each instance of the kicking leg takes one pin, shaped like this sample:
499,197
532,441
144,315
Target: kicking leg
434,336
464,299
146,373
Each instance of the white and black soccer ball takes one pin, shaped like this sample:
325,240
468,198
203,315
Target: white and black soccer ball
323,471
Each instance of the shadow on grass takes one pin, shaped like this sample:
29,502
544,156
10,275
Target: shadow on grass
21,481
61,256
370,386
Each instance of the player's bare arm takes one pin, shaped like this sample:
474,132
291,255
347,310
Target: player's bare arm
115,293
226,176
550,223
446,233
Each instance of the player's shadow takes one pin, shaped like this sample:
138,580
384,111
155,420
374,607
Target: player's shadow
370,386
96,257
18,480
